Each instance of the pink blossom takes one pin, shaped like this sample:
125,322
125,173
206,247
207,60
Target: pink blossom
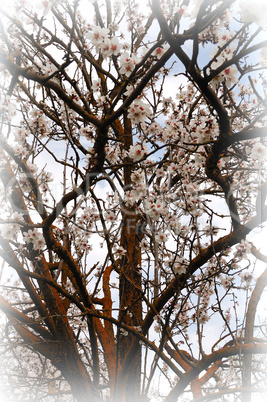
129,90
87,132
178,265
20,135
9,231
20,150
82,244
242,249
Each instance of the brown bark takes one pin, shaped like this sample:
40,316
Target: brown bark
130,290
249,329
207,360
62,353
130,304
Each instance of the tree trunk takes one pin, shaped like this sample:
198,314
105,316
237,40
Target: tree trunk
75,373
130,304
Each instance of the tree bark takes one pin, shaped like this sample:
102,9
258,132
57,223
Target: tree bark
249,329
130,304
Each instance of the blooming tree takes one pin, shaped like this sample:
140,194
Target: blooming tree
132,185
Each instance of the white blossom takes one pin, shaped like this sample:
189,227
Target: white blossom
138,176
45,6
228,75
139,111
112,154
259,152
96,85
97,36
137,152
246,277
36,238
161,237
7,108
256,12
127,63
226,281
110,216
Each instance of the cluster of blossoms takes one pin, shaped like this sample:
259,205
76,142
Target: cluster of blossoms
222,53
38,122
193,201
243,249
184,308
112,153
81,232
139,111
256,14
7,108
99,37
128,63
20,136
35,238
259,152
202,316
43,181
86,221
138,151
10,231
88,214
154,207
87,132
20,150
178,265
47,68
226,281
81,243
134,18
229,76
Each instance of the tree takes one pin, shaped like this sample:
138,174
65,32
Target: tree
132,143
